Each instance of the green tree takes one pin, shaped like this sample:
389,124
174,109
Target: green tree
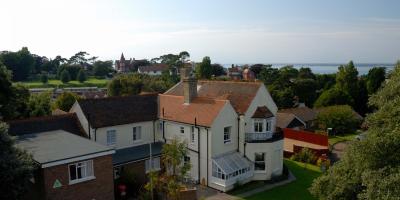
305,90
16,167
204,69
66,100
341,118
5,85
333,96
217,70
325,81
370,168
287,73
65,77
39,105
347,79
72,70
16,104
257,68
125,84
44,78
269,75
102,68
20,63
306,73
81,76
170,180
375,78
283,97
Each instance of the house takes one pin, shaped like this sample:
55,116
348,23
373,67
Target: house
235,73
129,125
248,75
69,166
304,114
229,128
288,120
154,69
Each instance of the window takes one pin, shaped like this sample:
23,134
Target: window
186,160
259,161
192,135
155,165
160,128
268,126
227,134
111,137
137,133
217,172
182,130
80,171
258,125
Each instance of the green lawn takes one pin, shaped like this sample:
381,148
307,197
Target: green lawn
295,190
340,138
91,82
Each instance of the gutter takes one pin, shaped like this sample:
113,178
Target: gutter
198,147
207,156
154,132
238,132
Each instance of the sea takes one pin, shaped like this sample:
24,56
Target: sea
329,68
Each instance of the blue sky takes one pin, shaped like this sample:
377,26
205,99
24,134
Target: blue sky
232,31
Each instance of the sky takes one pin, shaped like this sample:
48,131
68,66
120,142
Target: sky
228,31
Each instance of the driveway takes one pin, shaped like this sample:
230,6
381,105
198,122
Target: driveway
338,150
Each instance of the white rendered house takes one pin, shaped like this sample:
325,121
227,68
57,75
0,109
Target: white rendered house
229,128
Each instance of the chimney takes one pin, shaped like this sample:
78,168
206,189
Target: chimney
189,84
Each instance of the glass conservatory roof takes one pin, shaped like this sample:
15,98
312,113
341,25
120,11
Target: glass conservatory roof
231,162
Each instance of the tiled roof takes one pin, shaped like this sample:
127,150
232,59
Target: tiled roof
153,67
262,112
66,122
111,111
286,120
240,94
136,153
201,110
303,113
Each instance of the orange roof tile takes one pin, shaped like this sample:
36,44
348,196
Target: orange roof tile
201,110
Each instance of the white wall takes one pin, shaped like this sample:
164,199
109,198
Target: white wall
76,108
124,134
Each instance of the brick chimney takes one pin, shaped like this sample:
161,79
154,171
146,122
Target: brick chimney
189,84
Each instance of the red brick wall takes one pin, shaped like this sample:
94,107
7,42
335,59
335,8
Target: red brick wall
100,188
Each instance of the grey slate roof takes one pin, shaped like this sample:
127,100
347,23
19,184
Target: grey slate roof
52,146
136,153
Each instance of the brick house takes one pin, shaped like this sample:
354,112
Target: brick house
69,166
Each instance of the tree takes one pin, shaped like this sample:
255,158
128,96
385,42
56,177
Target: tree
217,70
287,73
39,105
341,118
170,180
5,85
65,77
16,167
306,73
284,97
81,76
347,79
102,68
20,63
325,81
370,168
124,85
66,100
305,90
269,75
44,78
375,78
204,70
16,104
333,96
257,68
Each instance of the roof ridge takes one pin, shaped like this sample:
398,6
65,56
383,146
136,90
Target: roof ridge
43,117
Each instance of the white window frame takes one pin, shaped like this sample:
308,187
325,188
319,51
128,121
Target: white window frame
268,125
155,164
192,135
137,134
261,162
182,130
111,137
87,173
227,134
256,125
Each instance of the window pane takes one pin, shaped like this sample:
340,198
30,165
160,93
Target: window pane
72,172
89,168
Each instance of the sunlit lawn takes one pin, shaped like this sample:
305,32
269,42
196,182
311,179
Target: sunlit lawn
341,138
57,83
298,189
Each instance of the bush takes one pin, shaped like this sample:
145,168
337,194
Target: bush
65,77
44,78
305,156
81,76
66,100
341,118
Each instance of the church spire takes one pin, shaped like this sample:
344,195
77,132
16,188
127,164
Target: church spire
122,56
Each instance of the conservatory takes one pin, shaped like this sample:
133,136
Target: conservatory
230,168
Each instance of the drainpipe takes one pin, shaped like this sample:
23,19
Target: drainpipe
163,127
89,126
207,155
95,134
154,132
198,148
238,132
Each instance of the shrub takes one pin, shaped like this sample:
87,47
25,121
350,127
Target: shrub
65,77
341,118
305,155
44,78
81,76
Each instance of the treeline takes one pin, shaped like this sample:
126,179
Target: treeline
27,66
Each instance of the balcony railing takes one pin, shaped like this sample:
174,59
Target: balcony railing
263,137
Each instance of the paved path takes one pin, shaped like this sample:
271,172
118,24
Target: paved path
338,150
224,196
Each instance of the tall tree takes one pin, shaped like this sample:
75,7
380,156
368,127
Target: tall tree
217,70
39,105
81,76
203,69
269,75
125,84
16,167
370,168
333,96
306,73
305,90
65,77
102,68
257,68
375,78
20,63
347,79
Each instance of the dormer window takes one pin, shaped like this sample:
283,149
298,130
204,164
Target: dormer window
258,125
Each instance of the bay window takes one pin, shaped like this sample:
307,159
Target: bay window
258,125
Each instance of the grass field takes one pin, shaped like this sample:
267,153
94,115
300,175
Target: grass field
295,190
91,82
341,138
